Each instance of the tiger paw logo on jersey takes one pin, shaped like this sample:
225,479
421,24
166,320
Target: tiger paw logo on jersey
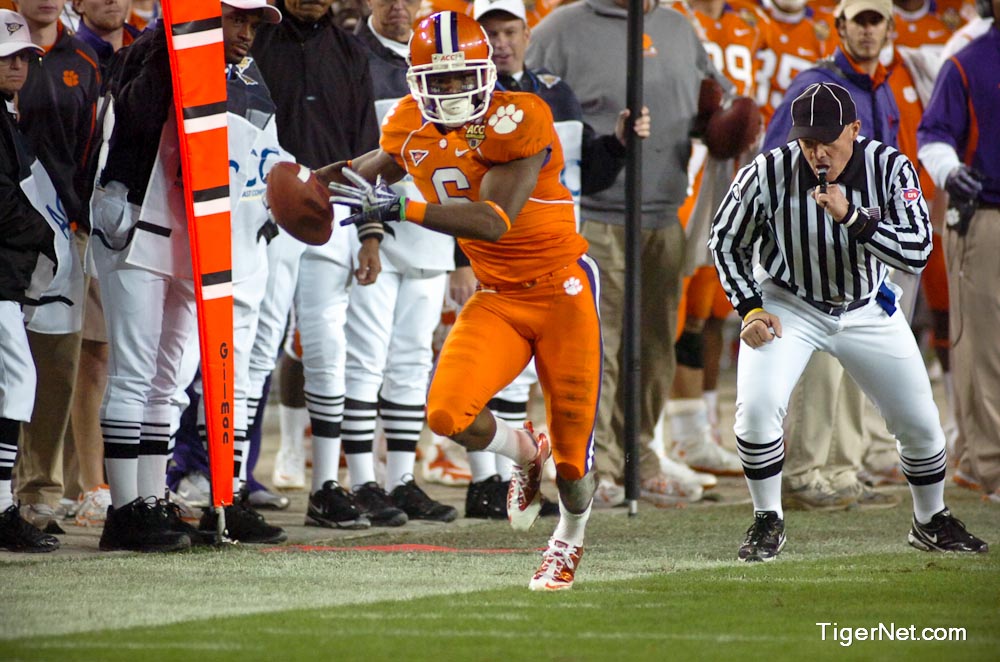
475,134
71,78
573,286
506,118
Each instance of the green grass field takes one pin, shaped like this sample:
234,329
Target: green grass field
663,585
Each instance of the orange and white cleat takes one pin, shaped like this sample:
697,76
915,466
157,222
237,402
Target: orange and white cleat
524,497
559,563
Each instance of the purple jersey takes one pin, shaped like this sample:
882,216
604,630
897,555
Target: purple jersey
965,97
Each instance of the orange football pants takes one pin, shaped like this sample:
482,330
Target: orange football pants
553,318
702,298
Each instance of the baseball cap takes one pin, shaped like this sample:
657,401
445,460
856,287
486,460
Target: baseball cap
515,7
269,15
821,112
14,34
851,8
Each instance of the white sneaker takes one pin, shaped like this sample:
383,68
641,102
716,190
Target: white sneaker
195,490
702,454
92,506
289,470
685,474
661,490
442,469
608,494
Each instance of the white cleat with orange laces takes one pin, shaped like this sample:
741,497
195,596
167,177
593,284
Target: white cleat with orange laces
524,498
559,563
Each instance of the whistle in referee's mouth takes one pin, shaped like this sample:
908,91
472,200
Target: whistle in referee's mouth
821,173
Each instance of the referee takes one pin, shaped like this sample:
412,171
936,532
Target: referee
832,212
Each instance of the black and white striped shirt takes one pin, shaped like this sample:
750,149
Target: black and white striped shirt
801,247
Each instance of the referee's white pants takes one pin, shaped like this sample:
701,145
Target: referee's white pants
283,256
390,326
17,369
150,317
878,351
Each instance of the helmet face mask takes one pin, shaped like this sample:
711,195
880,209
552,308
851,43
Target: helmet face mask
451,73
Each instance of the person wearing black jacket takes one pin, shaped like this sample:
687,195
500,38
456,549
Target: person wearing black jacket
24,234
57,116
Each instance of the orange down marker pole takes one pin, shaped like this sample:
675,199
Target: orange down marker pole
197,62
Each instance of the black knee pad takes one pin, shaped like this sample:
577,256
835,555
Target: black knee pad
689,350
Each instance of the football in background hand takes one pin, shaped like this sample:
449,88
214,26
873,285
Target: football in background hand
300,203
733,128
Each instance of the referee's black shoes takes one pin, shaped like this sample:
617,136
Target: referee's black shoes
765,538
141,526
945,533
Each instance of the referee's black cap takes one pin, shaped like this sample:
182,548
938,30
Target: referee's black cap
821,112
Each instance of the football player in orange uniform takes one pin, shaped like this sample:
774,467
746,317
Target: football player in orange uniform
488,164
797,42
732,32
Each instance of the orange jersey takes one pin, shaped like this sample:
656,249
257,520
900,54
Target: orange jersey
796,44
955,13
910,112
922,28
450,167
732,40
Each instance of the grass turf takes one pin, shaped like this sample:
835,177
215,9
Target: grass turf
661,586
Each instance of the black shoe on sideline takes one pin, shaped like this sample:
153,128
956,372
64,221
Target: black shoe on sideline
18,535
487,499
334,507
139,526
765,538
417,505
243,524
945,533
375,504
171,512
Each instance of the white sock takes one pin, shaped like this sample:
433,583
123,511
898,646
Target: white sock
711,399
482,464
571,526
688,420
928,500
293,422
10,430
766,494
151,468
515,444
398,465
361,468
121,459
6,496
326,461
505,466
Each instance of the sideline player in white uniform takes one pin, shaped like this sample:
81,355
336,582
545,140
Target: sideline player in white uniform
146,278
825,252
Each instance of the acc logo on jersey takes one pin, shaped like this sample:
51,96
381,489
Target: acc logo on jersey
910,195
418,155
506,118
475,134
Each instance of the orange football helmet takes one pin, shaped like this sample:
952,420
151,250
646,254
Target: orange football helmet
451,73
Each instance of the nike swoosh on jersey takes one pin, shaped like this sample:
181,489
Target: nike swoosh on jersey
936,34
461,152
741,33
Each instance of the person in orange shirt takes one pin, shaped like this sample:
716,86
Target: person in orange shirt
731,33
535,10
798,40
488,163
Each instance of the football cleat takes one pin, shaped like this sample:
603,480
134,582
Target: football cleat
441,469
92,506
413,501
765,538
945,533
19,535
333,507
487,499
559,563
375,504
524,497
